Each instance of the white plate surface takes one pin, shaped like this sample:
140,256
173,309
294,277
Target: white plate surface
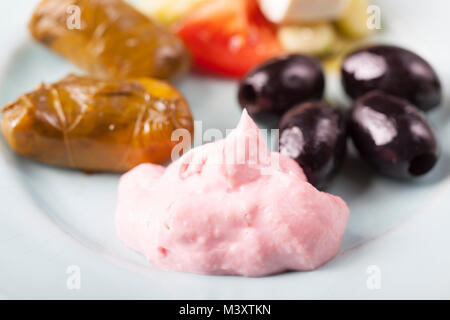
52,219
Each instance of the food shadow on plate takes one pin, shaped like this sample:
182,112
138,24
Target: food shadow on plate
439,120
354,178
357,173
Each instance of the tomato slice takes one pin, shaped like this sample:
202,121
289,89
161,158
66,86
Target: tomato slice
229,37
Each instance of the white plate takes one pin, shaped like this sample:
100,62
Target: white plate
52,218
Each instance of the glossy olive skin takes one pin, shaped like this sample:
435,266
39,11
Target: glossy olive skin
393,135
314,135
394,70
280,84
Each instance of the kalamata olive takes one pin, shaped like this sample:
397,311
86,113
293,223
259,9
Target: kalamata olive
314,134
281,83
394,70
393,135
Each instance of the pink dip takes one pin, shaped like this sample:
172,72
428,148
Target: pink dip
223,208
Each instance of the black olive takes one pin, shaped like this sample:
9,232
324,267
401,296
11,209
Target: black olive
281,83
314,134
393,135
394,70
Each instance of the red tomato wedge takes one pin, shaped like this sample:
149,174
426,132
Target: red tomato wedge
229,37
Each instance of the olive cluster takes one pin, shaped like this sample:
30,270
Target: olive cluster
391,88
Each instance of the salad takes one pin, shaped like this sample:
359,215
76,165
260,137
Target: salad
230,37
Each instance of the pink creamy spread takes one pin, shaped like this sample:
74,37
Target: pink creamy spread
230,207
